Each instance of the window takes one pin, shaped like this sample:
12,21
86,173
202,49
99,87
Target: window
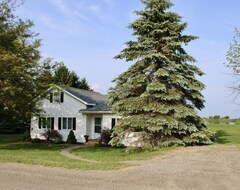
113,122
98,124
57,97
64,123
46,123
67,123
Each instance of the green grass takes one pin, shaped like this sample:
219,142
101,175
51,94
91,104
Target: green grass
226,134
109,154
14,151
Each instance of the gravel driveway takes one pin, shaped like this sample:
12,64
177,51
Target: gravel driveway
203,168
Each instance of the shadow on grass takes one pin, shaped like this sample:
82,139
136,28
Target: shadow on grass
220,137
13,142
30,146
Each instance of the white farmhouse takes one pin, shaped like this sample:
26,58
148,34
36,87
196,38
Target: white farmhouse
85,112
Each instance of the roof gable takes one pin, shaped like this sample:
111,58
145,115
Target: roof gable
94,100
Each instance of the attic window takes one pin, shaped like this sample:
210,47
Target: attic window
56,97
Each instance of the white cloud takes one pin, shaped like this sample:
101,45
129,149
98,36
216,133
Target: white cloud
96,87
62,7
67,12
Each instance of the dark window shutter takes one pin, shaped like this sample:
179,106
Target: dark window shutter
51,97
52,123
59,123
113,122
74,124
62,97
39,122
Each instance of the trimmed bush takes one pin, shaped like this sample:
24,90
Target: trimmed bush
105,136
71,138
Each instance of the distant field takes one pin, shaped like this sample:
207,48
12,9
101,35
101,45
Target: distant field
226,134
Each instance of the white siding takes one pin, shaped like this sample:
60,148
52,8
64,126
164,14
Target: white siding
106,123
69,108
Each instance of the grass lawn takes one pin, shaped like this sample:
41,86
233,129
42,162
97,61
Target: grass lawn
226,134
12,150
109,154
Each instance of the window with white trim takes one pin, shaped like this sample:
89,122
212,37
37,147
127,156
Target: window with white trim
46,123
67,123
97,124
57,97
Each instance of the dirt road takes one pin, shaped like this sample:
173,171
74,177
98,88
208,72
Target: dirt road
203,168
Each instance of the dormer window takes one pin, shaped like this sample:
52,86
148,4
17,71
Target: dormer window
56,97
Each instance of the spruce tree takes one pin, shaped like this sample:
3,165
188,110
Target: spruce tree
157,96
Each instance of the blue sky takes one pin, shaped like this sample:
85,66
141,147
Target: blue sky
87,34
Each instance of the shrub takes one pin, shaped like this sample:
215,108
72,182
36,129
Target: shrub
58,141
71,139
26,136
36,140
52,135
105,136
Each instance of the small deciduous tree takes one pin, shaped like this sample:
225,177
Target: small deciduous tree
157,96
233,61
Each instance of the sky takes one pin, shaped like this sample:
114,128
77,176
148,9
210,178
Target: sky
87,34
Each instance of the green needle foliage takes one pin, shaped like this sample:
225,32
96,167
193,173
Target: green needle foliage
157,96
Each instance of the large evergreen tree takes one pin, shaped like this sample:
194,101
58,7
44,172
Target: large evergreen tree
157,96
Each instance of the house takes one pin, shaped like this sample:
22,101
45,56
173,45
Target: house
66,108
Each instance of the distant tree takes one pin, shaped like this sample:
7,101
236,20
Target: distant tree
19,66
158,94
216,117
63,76
226,117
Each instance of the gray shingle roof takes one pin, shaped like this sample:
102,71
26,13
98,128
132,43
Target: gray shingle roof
95,101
